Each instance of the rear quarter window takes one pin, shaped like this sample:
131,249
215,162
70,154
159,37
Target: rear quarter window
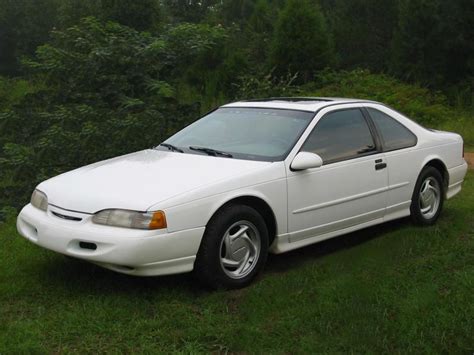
394,134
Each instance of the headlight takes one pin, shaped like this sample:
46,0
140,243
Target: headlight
39,200
131,219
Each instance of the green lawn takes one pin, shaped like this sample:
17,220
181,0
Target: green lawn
392,288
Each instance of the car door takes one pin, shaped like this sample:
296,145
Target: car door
349,188
403,160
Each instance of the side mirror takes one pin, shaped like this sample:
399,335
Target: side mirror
306,160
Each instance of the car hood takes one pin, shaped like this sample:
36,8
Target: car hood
140,180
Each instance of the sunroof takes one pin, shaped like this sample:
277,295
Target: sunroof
297,100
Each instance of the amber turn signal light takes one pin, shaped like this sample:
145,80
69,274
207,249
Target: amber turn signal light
158,221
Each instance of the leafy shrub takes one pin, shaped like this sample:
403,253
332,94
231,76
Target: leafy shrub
262,86
416,102
12,91
426,107
108,90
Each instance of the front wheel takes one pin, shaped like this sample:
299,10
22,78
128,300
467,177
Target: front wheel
234,248
427,200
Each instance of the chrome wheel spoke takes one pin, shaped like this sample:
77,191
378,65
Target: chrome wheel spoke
230,263
241,231
250,244
424,187
227,243
428,199
426,209
243,263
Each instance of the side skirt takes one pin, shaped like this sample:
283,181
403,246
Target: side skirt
283,243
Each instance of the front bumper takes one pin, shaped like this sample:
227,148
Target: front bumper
129,251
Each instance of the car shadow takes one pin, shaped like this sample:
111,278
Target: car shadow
83,277
80,277
284,262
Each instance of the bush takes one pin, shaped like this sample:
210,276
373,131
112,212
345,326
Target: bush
108,90
12,91
264,86
414,101
424,106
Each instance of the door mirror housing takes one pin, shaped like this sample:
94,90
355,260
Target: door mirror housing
306,160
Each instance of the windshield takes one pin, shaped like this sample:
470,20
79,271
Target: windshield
244,133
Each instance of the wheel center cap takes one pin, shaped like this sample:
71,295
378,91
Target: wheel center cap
239,249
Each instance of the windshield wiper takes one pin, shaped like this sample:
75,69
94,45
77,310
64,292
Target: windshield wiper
171,147
210,151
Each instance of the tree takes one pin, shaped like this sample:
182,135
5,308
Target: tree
236,11
301,42
187,10
24,25
363,31
141,15
434,42
71,11
417,47
258,32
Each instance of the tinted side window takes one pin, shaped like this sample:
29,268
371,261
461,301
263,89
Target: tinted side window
394,134
340,135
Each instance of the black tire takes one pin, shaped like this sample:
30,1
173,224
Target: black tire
209,269
417,215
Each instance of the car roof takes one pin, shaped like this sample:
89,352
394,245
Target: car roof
311,104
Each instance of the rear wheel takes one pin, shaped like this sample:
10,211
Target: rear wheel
234,248
427,200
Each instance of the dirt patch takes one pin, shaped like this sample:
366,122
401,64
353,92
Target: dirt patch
469,157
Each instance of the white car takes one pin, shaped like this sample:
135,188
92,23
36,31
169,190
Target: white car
249,178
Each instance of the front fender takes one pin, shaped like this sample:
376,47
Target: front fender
197,213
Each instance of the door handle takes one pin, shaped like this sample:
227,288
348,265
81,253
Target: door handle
380,166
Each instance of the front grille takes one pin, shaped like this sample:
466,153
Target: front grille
69,218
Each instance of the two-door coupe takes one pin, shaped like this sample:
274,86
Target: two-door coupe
249,178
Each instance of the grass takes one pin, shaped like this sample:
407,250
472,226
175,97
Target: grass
392,288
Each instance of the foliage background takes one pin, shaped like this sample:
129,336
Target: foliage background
84,80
